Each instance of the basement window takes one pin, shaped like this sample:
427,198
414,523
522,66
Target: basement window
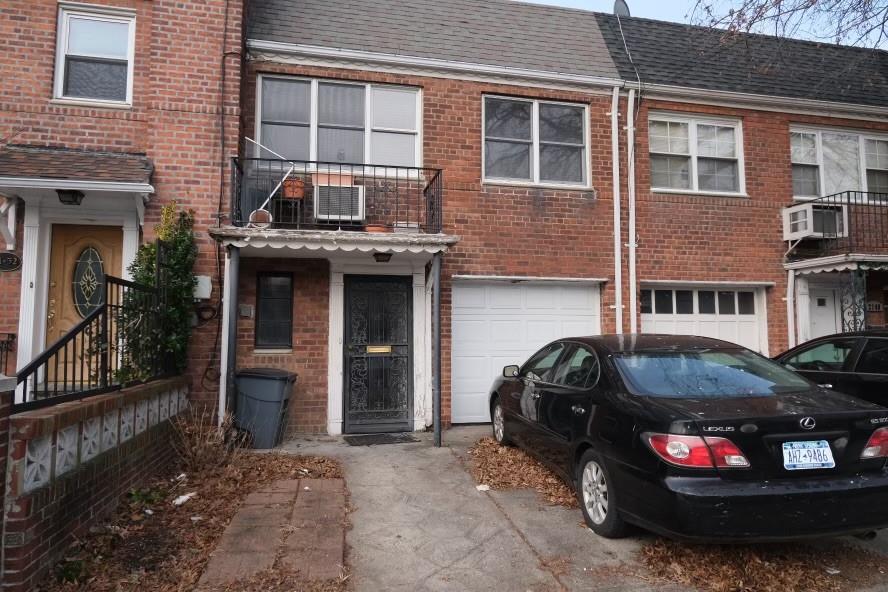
94,55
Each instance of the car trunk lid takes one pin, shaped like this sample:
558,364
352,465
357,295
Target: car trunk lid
823,432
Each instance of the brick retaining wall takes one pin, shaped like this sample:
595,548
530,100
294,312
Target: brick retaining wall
68,465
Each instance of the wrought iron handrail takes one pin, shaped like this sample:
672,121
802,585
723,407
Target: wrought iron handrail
97,354
323,195
846,222
6,347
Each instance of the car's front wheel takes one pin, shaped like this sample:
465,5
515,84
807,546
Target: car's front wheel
498,419
595,493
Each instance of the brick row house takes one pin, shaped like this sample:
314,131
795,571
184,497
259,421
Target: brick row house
402,197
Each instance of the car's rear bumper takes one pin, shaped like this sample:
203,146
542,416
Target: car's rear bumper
718,510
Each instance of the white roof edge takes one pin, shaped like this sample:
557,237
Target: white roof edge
653,91
44,183
711,284
429,63
835,260
522,279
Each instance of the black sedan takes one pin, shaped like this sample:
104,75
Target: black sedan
851,363
696,439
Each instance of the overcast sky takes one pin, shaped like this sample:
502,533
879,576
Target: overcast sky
665,10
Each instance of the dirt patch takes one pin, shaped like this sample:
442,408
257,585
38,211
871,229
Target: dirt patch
764,568
503,467
153,544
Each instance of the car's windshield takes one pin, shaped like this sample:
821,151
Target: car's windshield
705,373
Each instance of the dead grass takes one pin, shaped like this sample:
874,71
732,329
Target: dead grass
501,467
151,544
279,580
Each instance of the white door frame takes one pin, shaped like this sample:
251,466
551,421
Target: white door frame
40,217
422,342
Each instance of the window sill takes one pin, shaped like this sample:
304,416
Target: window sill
692,193
92,104
531,185
272,351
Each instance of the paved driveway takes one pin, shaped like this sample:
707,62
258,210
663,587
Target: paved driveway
420,524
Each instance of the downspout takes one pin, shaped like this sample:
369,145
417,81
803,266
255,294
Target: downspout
228,355
436,344
790,306
630,147
618,251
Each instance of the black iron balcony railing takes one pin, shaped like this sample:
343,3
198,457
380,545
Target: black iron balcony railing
842,223
311,195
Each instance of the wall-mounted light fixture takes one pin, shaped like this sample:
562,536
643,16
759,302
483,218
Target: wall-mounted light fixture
70,197
382,257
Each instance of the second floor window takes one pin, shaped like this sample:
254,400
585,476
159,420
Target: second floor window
329,121
826,162
94,60
695,155
535,142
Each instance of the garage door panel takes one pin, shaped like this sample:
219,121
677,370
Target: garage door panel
744,329
513,322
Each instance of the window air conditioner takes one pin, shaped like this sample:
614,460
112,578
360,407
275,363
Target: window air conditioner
807,220
343,203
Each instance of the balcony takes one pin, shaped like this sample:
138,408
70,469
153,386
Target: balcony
851,222
310,195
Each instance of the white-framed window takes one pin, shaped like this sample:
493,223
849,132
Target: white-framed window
696,155
95,54
535,142
338,122
830,161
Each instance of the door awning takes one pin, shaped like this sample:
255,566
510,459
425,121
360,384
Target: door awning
836,263
333,240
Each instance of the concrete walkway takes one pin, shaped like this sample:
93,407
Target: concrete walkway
420,524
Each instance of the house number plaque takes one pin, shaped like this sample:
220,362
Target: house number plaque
10,261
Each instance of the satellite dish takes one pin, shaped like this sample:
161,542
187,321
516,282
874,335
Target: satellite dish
621,8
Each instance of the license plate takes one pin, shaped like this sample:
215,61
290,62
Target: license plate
815,454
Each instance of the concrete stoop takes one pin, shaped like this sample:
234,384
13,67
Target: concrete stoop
298,523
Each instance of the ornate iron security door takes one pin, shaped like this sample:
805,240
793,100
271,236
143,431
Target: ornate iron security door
378,346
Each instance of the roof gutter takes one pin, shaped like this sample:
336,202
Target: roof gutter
315,51
44,183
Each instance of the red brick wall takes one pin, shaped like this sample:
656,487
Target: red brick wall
308,358
40,524
708,238
503,230
175,118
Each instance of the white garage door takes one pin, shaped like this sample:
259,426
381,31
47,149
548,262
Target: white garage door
735,315
496,324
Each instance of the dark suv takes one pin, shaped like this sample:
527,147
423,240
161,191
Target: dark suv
852,363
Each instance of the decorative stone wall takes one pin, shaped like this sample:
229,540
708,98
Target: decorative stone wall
68,465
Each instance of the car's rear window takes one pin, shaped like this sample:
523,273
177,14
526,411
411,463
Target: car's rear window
705,373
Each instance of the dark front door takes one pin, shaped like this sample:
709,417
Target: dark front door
378,354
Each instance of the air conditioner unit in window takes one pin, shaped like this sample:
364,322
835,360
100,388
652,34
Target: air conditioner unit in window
808,220
343,203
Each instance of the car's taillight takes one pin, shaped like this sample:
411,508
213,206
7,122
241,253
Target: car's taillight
697,452
877,445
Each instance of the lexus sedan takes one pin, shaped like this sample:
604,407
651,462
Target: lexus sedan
696,439
851,363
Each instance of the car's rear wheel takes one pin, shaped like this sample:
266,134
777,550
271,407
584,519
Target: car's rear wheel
595,493
498,419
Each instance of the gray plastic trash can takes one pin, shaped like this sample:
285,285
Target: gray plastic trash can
263,395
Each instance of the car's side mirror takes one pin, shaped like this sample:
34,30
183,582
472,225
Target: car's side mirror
511,371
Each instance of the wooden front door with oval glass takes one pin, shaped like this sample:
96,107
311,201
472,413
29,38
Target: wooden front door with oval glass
378,354
80,258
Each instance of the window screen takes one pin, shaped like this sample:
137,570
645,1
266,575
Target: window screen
274,311
94,56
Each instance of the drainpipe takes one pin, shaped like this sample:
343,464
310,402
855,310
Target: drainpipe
228,355
618,251
630,147
790,306
436,344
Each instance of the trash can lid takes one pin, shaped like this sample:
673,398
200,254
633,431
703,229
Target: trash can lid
272,373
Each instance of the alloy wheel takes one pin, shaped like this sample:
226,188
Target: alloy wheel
595,492
499,424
